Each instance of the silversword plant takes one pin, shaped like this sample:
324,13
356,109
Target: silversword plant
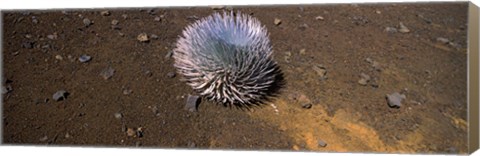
227,58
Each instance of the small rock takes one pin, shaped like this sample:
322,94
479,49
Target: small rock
7,89
28,44
67,135
376,66
105,13
118,115
58,57
395,100
107,73
277,21
369,60
148,73
169,54
307,106
171,74
115,22
127,91
303,26
322,143
34,20
191,144
442,40
153,36
295,147
60,95
302,51
321,71
378,12
84,58
319,18
130,132
157,19
125,16
139,132
364,79
45,138
87,22
391,29
53,36
403,28
143,37
192,103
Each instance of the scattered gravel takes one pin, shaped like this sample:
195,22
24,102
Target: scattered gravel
84,58
60,95
395,99
192,103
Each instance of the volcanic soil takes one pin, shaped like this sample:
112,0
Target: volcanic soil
339,63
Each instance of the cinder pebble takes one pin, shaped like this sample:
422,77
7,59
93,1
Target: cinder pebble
107,73
395,99
192,103
60,95
84,58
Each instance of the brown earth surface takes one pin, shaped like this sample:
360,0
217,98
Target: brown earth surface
41,51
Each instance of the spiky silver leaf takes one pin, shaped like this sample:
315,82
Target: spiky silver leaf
227,58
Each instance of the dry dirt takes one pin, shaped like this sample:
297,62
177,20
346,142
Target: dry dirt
41,50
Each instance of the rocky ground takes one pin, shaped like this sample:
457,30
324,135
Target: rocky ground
359,78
